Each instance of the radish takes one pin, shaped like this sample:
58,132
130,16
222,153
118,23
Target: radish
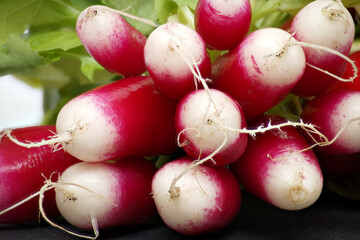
173,54
326,23
129,117
111,41
200,119
275,168
204,199
23,172
258,73
222,23
337,114
113,194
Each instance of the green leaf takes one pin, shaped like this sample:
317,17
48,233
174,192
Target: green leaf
45,76
186,16
289,108
79,64
89,66
62,39
164,9
190,3
139,8
82,4
18,15
17,55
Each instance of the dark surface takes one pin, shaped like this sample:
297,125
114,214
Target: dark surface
331,217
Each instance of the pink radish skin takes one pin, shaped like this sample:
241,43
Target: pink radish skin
222,23
192,114
332,111
334,29
167,50
290,180
23,173
209,198
257,73
111,41
129,117
122,193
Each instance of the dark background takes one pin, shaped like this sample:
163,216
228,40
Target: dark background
331,217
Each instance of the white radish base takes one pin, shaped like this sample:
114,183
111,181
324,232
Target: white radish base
293,183
87,125
199,113
341,115
205,199
327,23
77,205
267,60
160,53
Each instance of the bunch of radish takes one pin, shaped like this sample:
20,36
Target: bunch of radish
211,112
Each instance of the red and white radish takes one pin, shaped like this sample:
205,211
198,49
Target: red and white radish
125,118
173,53
115,194
275,168
200,121
329,24
23,172
337,115
261,71
129,117
203,200
222,23
111,41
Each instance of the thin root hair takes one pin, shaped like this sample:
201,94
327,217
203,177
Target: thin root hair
324,143
52,141
205,193
139,19
329,50
174,190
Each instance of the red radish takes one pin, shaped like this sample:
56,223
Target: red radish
111,41
125,118
200,120
129,117
326,23
115,194
355,85
342,165
204,199
173,54
23,172
222,23
275,169
257,73
332,113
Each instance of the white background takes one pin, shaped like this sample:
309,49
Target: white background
20,104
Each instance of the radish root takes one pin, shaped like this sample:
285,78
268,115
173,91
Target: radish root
54,141
324,143
289,42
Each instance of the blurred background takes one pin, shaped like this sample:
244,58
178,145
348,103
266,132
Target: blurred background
20,104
